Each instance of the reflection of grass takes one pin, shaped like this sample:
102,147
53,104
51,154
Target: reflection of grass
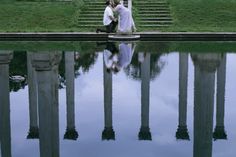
82,47
204,47
179,46
149,47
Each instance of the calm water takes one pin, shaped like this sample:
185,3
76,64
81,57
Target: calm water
119,100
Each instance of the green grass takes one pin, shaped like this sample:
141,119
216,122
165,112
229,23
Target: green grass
188,16
37,16
203,15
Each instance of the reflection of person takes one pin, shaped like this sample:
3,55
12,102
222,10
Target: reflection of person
110,55
115,60
126,22
109,21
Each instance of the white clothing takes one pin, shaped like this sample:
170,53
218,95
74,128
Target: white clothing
141,57
125,55
107,14
126,22
107,55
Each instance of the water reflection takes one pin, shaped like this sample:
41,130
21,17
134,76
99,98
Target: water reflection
144,133
46,67
33,97
71,132
116,59
219,132
182,131
18,67
205,66
108,132
5,122
43,85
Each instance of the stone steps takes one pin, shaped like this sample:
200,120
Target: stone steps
155,19
92,14
155,22
91,22
144,3
91,26
98,18
155,26
154,8
153,14
141,16
150,14
95,10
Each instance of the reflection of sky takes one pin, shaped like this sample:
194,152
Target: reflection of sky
126,116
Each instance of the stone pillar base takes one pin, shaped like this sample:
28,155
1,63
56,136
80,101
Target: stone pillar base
182,133
145,134
219,133
108,134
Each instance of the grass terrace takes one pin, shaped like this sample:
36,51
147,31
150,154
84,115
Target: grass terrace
63,16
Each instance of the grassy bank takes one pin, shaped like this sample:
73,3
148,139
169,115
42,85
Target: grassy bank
37,16
203,15
188,16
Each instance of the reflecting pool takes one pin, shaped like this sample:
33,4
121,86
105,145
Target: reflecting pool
118,99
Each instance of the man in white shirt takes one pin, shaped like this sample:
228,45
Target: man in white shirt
109,21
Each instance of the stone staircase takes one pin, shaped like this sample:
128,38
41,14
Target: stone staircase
91,16
152,14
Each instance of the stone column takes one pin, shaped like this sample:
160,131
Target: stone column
33,99
71,132
5,122
204,87
46,66
219,132
144,133
182,131
108,132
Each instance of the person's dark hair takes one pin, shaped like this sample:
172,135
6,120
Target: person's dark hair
116,70
107,2
116,2
108,70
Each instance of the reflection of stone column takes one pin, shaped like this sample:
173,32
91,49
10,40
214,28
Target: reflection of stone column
219,132
33,103
182,132
5,123
71,132
46,66
144,133
204,86
108,132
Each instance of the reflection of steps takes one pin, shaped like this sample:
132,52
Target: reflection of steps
91,15
152,14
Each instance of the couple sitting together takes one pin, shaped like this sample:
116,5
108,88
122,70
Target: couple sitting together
126,22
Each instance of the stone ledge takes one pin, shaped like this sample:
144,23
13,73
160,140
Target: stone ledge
91,36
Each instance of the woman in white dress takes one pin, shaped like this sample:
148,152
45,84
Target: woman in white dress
126,23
